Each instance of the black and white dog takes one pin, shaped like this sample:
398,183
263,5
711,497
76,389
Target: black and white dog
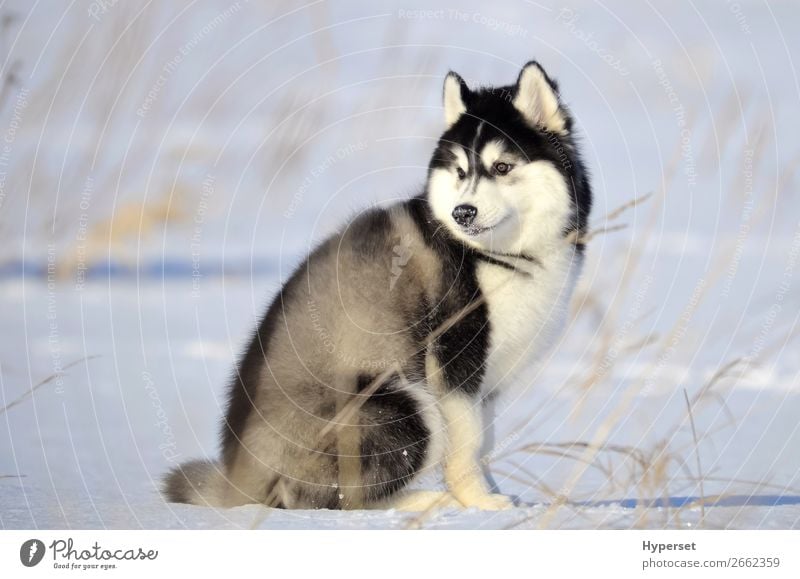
371,364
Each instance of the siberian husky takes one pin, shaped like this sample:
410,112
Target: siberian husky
371,365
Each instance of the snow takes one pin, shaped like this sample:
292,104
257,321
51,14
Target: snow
140,250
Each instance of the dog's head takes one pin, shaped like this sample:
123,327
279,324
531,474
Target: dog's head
506,176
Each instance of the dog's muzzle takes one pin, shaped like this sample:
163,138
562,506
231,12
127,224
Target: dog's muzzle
464,215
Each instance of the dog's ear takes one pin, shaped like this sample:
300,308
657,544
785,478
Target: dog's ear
536,97
455,98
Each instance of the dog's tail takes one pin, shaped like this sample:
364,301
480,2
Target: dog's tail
198,482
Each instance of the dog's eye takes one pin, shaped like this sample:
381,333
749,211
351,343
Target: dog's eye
503,168
460,172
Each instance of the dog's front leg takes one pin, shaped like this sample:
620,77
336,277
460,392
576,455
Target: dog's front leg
462,470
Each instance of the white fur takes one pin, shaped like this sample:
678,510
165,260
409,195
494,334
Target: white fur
530,208
454,106
531,204
492,151
462,470
445,191
526,312
461,157
537,101
435,423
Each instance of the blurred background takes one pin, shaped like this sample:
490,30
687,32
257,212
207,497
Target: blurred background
163,166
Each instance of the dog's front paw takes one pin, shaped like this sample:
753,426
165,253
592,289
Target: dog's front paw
489,502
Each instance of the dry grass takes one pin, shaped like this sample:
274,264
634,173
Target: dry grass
697,456
38,385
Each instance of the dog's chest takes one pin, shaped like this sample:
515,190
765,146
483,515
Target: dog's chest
526,313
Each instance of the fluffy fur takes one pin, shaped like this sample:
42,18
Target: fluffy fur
371,364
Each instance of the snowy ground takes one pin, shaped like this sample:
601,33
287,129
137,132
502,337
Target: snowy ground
89,447
150,207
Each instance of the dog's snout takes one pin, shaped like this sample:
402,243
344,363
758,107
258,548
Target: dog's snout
465,214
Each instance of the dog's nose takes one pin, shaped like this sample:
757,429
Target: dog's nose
465,214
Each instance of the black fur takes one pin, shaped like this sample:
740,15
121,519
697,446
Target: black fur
393,445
